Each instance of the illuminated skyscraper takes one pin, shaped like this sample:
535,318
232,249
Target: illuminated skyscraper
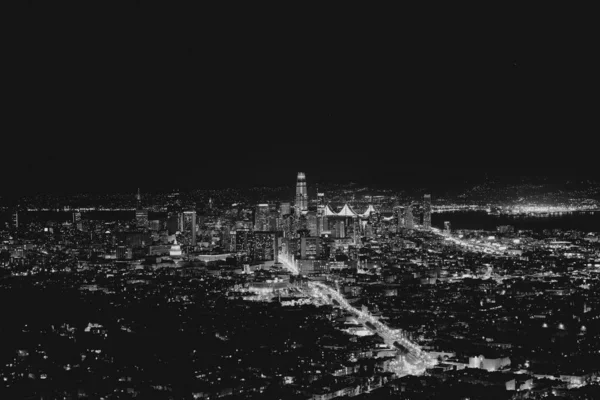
244,242
77,221
447,227
340,229
141,217
311,223
310,247
408,218
189,226
320,203
301,194
427,211
261,217
265,246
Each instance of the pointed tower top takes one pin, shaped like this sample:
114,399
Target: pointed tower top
346,211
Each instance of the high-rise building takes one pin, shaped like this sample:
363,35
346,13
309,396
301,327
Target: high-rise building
311,223
408,218
301,194
261,217
401,218
285,209
340,229
447,227
15,219
272,223
189,226
427,211
141,217
265,246
173,224
244,242
310,247
77,221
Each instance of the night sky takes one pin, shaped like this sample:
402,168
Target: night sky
143,100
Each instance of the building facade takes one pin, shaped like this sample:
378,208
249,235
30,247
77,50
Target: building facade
301,194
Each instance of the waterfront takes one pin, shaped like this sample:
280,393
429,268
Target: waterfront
587,221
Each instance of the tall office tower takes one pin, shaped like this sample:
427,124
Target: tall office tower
340,229
189,226
320,203
447,227
265,246
427,211
77,221
261,217
310,248
408,218
227,238
285,209
301,194
272,222
141,217
311,223
401,218
244,242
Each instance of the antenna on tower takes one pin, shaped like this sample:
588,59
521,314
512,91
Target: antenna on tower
138,197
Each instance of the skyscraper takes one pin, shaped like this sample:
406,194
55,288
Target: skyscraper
447,227
320,203
301,194
401,219
427,211
265,246
141,217
244,242
189,226
311,223
261,217
408,218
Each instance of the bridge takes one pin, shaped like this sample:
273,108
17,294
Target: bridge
411,359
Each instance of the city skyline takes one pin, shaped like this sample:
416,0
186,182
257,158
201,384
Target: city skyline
219,206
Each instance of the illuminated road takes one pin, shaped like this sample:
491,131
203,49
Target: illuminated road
416,357
414,362
288,264
480,247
